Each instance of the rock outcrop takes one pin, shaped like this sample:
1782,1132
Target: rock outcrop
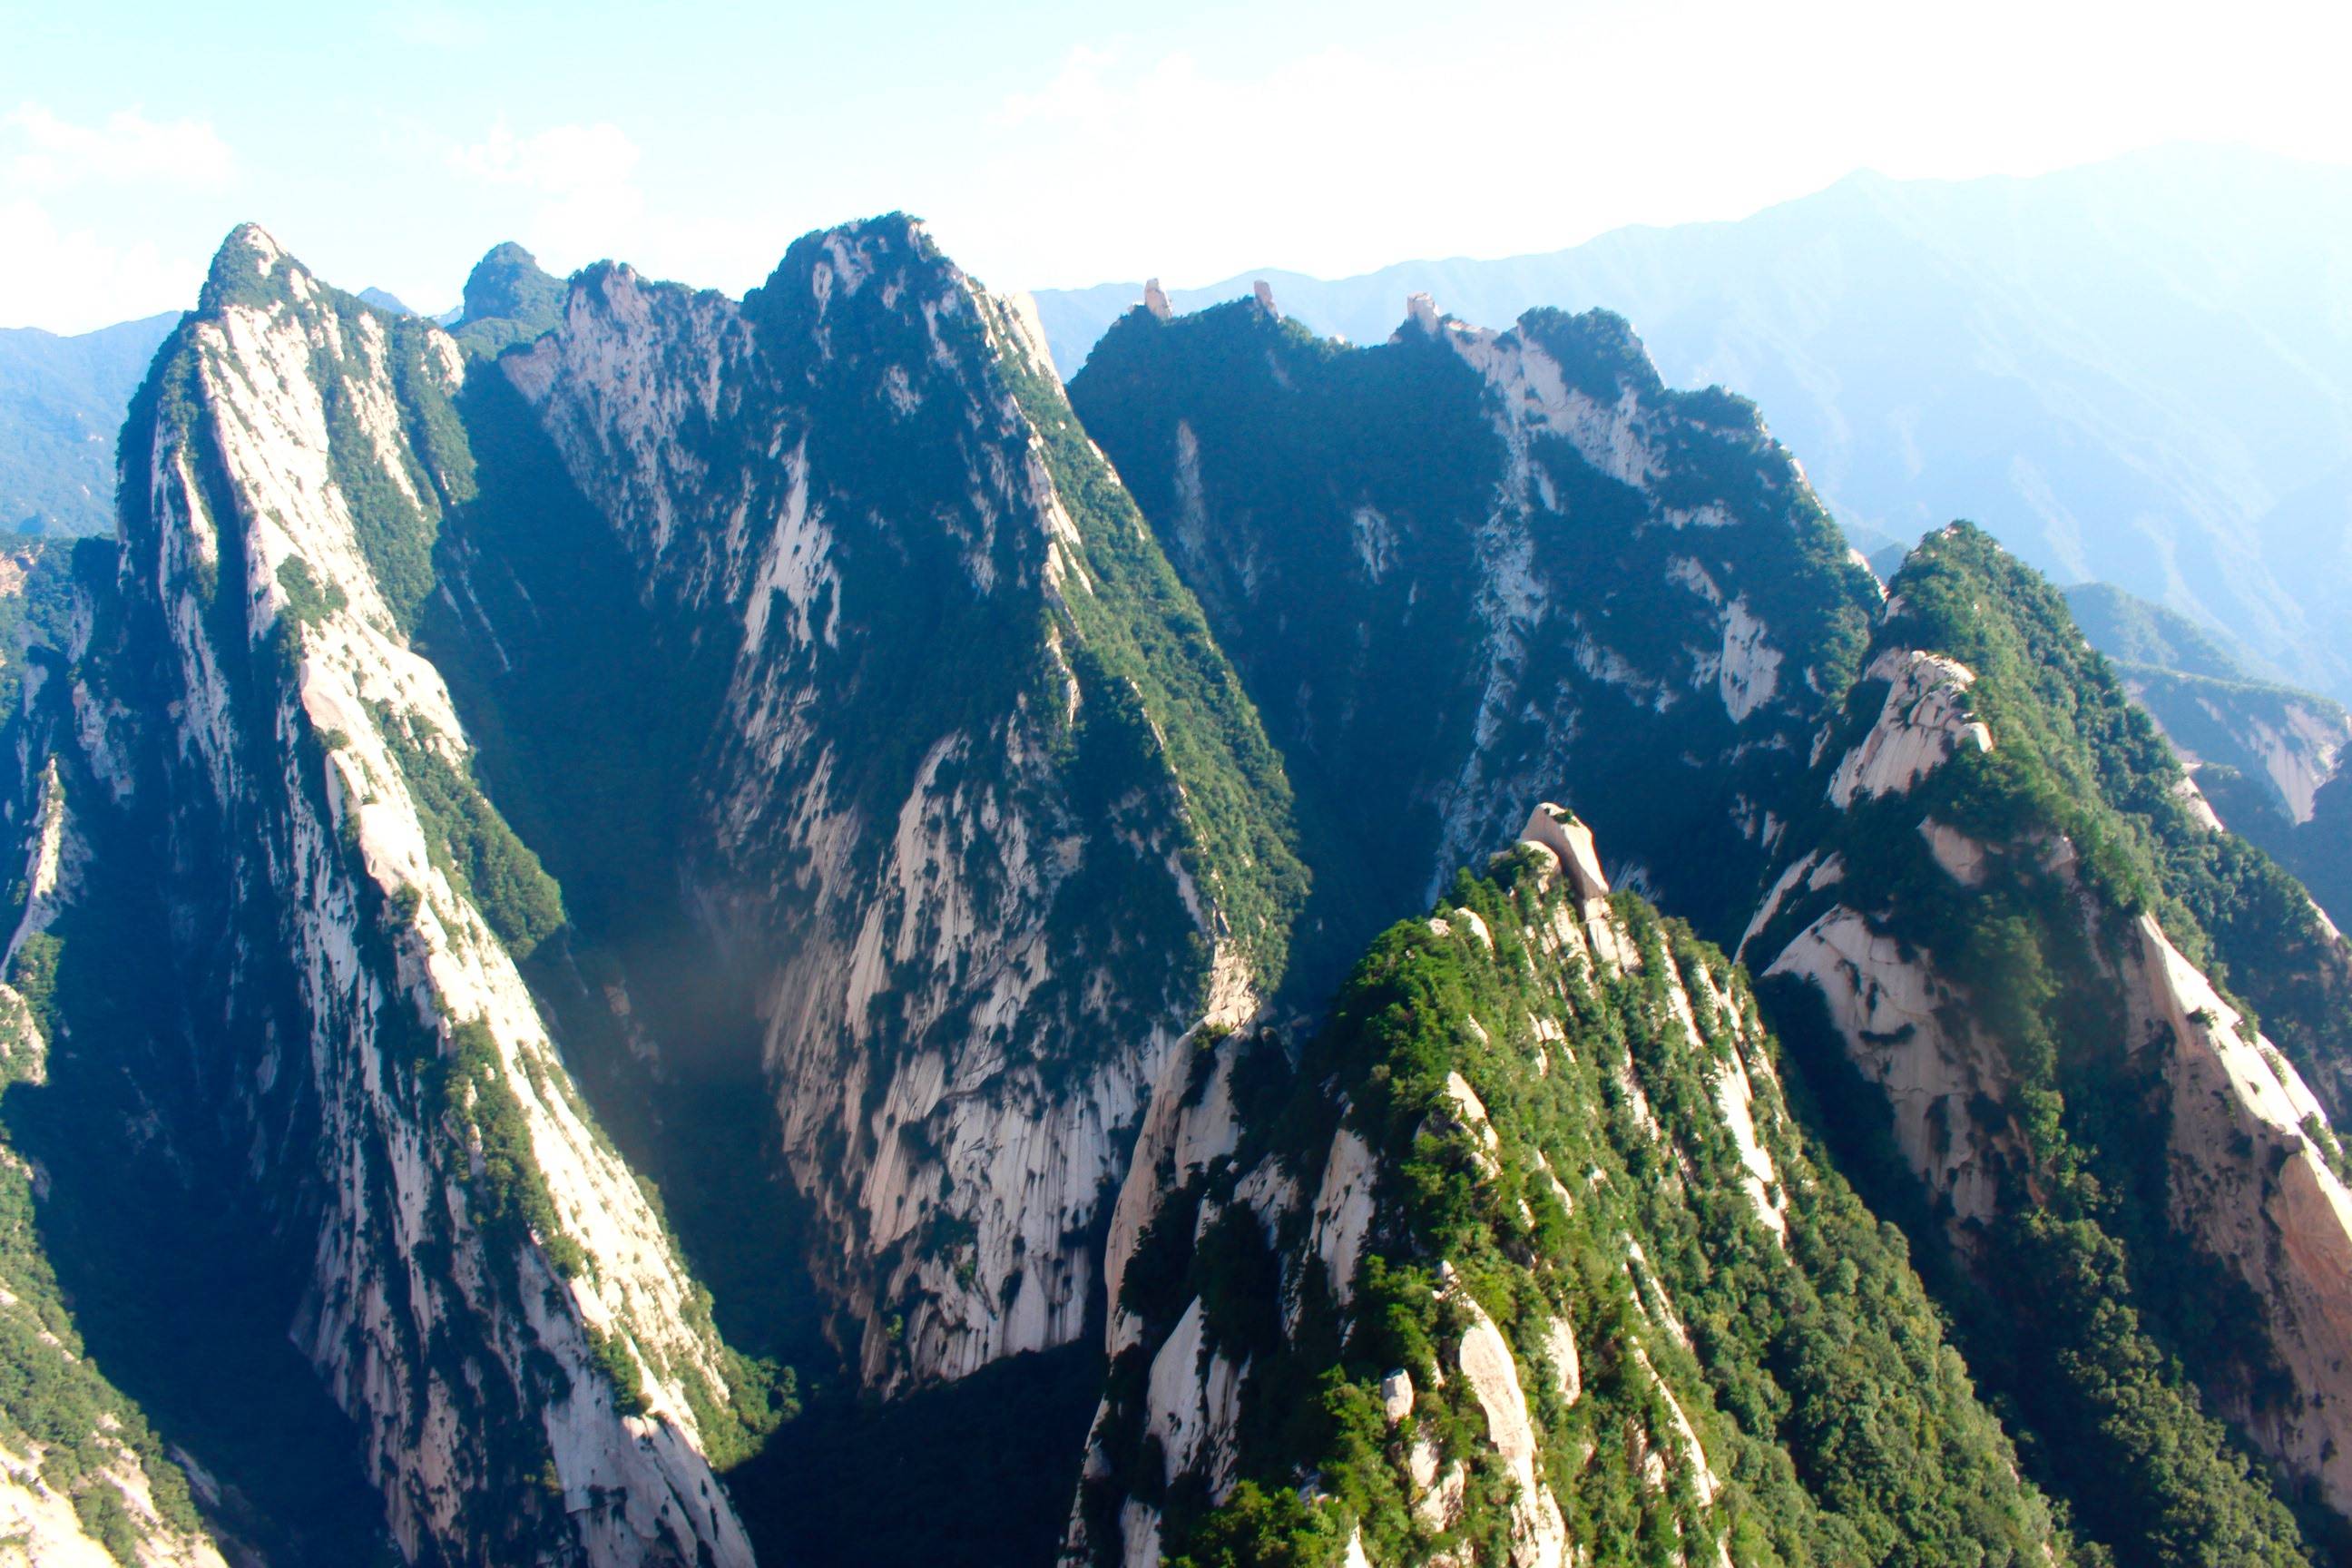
1924,720
1429,1192
1406,539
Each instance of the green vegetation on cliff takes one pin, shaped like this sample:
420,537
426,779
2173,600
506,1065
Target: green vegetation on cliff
2100,1325
1135,616
1836,1424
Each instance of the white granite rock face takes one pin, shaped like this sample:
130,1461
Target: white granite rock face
1923,722
39,1529
636,1488
2252,1187
1538,1534
1892,1010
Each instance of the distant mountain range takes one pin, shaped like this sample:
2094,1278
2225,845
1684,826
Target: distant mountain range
2268,758
2138,372
61,401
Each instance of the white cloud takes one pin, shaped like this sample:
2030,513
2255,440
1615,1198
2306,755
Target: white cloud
432,26
562,160
1512,129
79,256
1077,91
46,152
582,177
69,279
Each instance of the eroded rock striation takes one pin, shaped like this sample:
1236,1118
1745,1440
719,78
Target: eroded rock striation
978,824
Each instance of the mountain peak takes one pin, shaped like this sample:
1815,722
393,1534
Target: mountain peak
386,299
508,298
508,284
244,268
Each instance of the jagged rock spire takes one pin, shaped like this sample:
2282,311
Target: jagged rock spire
1560,830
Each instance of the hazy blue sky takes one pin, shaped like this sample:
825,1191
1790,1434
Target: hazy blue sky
1052,143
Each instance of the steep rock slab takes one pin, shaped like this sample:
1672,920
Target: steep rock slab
980,814
484,1287
2257,1181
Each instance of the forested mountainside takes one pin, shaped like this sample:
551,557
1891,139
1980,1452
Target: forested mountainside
1932,983
2136,371
1522,1258
61,402
593,876
2268,758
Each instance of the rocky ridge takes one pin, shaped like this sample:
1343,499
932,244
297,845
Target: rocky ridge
483,1289
1423,1290
1985,941
1519,548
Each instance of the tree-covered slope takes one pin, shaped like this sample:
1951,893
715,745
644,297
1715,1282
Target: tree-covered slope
508,299
1461,570
1991,946
61,402
1523,1258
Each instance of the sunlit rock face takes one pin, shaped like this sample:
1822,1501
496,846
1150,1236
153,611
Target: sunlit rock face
483,1288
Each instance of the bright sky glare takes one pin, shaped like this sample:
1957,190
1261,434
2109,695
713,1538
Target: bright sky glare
1052,142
